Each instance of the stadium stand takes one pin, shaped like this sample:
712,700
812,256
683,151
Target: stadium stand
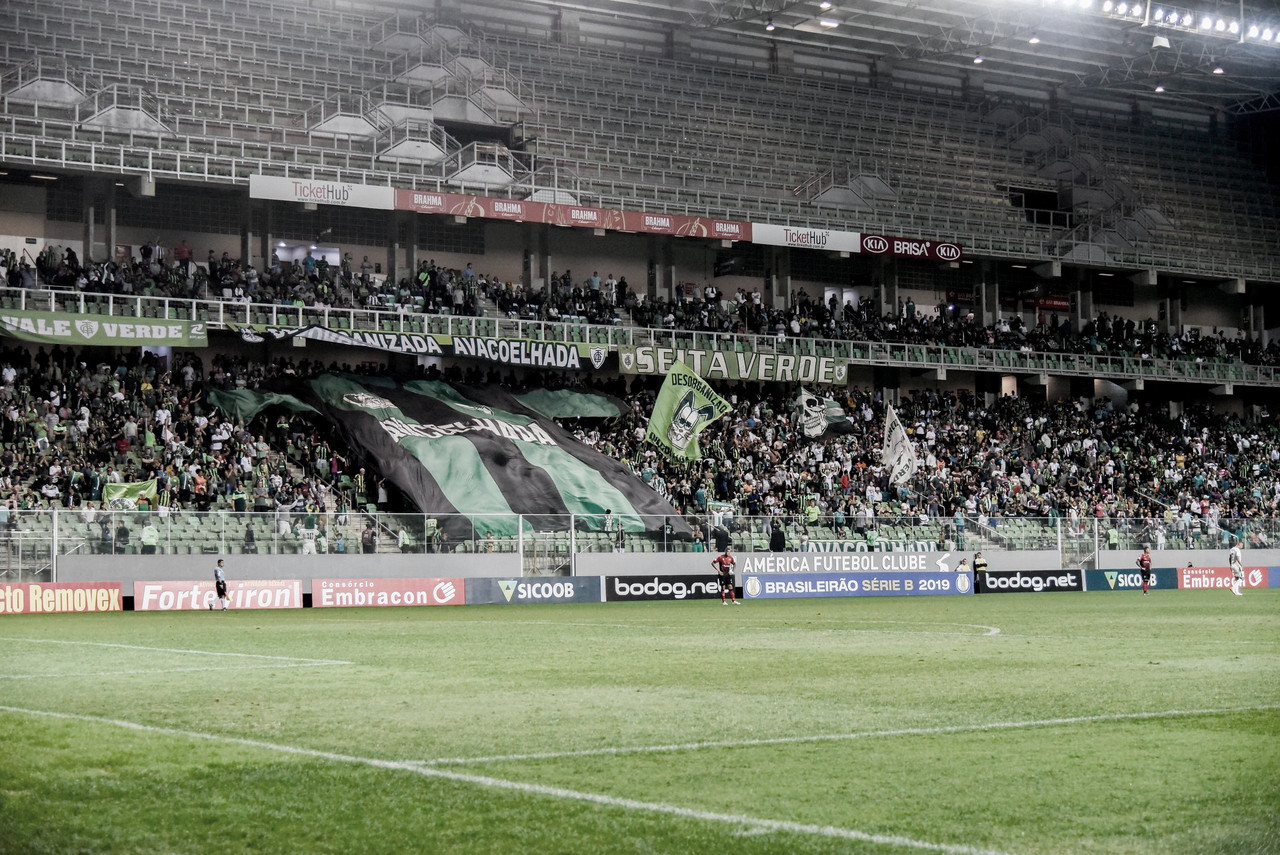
202,97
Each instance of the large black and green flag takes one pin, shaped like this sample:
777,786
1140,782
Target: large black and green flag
479,452
686,404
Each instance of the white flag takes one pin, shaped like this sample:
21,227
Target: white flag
899,454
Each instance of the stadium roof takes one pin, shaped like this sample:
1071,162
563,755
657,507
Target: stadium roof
1190,56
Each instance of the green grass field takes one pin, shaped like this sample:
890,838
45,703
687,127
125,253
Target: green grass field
1063,723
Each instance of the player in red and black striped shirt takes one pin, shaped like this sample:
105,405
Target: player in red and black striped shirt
1144,566
724,565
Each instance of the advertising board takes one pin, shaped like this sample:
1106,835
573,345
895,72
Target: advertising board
357,593
559,589
881,584
1030,581
31,598
174,596
620,589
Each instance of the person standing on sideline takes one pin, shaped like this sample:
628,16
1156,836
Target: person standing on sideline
220,585
724,565
1144,566
1237,566
979,566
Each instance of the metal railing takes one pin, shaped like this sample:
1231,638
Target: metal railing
221,314
33,541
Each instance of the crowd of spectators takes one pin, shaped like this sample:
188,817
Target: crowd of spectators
435,289
73,422
1190,479
76,421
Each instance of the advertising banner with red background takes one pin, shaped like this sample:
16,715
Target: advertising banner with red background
345,593
32,598
576,216
1219,577
241,594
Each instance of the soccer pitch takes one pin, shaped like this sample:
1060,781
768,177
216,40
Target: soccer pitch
1021,724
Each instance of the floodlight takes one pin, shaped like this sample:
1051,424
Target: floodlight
1253,31
1187,19
824,5
828,23
1159,89
1206,23
769,26
1266,35
1121,8
1233,27
1106,6
1034,40
1136,11
1220,26
1157,15
977,60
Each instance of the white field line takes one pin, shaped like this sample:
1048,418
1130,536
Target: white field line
179,650
840,737
740,821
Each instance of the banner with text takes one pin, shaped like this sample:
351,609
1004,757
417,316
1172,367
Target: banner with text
523,353
728,365
581,216
621,589
584,589
241,594
1162,578
63,328
43,598
356,593
846,562
899,247
802,238
882,584
341,193
1219,577
1030,581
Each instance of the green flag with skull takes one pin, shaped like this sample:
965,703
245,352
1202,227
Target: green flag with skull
686,405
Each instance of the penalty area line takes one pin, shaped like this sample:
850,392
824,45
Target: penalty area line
741,821
839,737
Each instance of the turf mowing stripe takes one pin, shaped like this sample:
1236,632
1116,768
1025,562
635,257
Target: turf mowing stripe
750,823
179,650
144,671
839,737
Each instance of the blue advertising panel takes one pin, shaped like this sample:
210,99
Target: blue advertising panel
552,589
882,584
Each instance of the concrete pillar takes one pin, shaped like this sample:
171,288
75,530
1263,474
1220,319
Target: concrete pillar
395,243
246,228
986,291
109,221
267,241
90,214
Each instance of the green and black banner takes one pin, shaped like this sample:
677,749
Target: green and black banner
109,330
479,452
519,352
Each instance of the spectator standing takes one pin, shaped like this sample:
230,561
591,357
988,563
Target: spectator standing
979,567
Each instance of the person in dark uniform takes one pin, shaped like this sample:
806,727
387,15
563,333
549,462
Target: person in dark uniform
979,567
1144,567
724,564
